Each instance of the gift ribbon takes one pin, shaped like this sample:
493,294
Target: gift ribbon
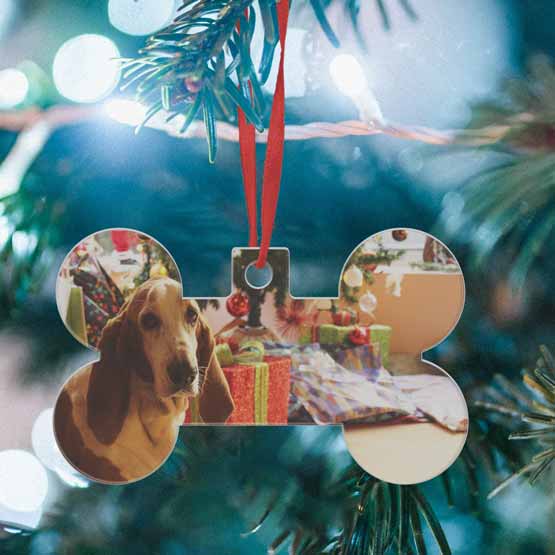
251,353
273,163
261,388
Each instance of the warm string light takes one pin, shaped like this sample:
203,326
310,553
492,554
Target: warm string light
349,77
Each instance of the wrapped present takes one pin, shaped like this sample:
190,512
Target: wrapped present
96,320
332,394
98,296
325,334
381,335
365,359
332,334
259,385
97,285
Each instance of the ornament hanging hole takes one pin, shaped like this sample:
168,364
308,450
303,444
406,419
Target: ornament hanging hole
259,278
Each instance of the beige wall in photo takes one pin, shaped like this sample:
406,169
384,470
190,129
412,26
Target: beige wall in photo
427,310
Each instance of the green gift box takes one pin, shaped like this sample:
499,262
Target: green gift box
325,334
382,335
330,334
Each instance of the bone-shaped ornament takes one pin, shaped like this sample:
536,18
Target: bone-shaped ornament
260,356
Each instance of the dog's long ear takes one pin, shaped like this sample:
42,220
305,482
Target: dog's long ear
215,402
121,352
108,393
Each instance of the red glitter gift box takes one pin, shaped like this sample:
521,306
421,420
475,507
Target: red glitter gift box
260,391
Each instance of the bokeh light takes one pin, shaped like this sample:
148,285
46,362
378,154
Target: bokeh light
44,442
140,17
47,450
14,87
86,68
23,481
124,110
348,75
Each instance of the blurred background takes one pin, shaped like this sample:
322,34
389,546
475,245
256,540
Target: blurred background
96,173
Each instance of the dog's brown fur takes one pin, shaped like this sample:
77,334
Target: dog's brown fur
117,420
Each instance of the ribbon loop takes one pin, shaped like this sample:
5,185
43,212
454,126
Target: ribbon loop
273,163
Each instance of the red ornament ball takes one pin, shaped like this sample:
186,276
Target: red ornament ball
238,304
399,234
359,336
344,317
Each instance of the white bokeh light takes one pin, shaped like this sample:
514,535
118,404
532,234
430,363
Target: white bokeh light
23,481
86,68
126,111
44,442
348,75
140,17
47,450
14,87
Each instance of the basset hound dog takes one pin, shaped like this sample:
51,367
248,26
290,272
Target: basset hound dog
117,420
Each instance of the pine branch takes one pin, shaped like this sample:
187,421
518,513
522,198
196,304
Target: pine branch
511,204
183,69
519,406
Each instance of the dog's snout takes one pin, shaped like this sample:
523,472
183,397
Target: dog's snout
181,373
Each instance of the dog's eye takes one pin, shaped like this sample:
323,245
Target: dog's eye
150,321
191,315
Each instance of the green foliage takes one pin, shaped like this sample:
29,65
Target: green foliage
367,261
28,234
183,70
511,203
292,484
186,69
534,405
155,254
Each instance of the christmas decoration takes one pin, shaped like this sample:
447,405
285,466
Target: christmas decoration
519,130
278,260
158,270
291,317
124,239
238,304
399,234
229,341
259,384
359,336
344,317
368,303
368,257
158,261
353,277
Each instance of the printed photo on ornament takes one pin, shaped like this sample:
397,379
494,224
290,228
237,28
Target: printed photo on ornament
117,420
263,357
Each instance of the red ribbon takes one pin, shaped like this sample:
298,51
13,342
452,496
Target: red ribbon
274,154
